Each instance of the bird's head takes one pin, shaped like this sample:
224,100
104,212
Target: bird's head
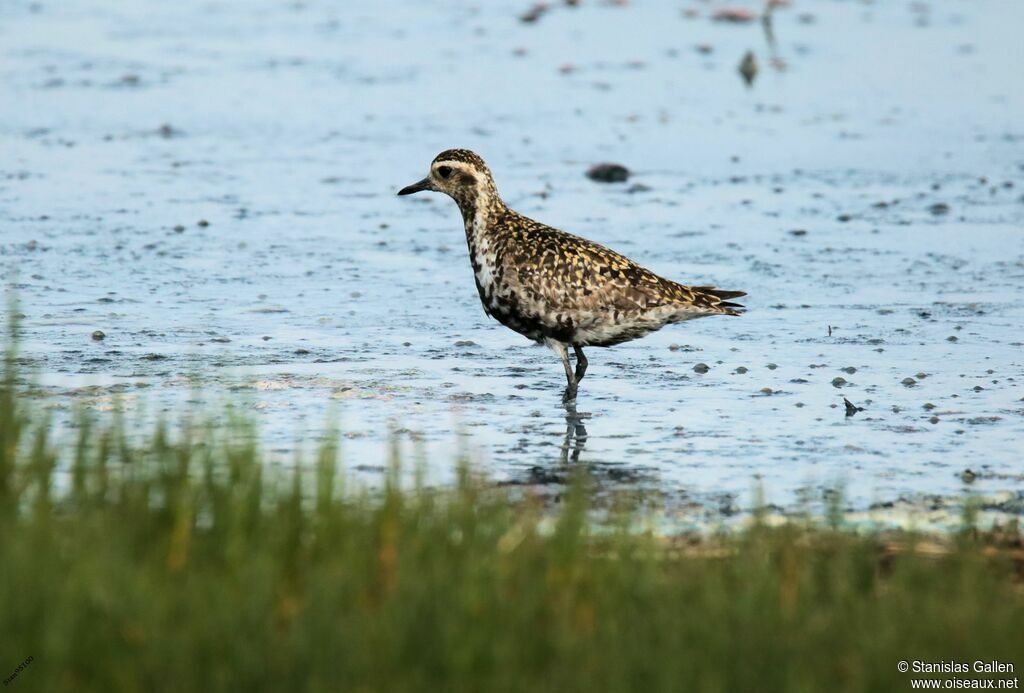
458,173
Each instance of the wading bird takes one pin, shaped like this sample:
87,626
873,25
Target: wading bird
554,287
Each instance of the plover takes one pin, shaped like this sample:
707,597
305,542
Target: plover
554,287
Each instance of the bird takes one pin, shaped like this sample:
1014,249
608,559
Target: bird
554,287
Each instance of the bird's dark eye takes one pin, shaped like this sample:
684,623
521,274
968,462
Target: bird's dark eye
444,171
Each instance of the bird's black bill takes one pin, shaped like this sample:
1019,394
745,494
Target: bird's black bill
415,187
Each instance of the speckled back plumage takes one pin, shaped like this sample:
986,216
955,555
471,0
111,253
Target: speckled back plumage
551,285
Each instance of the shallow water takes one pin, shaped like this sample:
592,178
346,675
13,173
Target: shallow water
212,186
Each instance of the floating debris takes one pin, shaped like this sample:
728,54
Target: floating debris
608,173
167,131
748,68
733,15
851,408
534,13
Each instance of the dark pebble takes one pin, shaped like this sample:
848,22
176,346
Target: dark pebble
99,335
701,368
608,173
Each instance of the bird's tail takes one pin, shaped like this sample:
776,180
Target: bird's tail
718,299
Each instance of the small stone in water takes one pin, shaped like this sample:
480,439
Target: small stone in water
909,382
608,173
203,223
701,368
99,335
838,381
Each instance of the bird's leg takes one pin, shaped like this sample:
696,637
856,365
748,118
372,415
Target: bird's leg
570,389
581,363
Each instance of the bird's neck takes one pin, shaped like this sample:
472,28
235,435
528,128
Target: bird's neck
480,210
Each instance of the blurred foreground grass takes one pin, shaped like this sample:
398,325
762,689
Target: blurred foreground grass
192,566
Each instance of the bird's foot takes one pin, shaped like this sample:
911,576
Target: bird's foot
569,395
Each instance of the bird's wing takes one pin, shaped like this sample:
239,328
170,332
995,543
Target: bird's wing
569,273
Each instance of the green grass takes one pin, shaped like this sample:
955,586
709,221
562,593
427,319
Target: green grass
185,563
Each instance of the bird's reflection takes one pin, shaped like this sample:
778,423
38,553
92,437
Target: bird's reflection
575,433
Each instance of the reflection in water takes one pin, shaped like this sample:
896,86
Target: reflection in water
575,433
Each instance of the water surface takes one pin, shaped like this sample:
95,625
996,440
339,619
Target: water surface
211,184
